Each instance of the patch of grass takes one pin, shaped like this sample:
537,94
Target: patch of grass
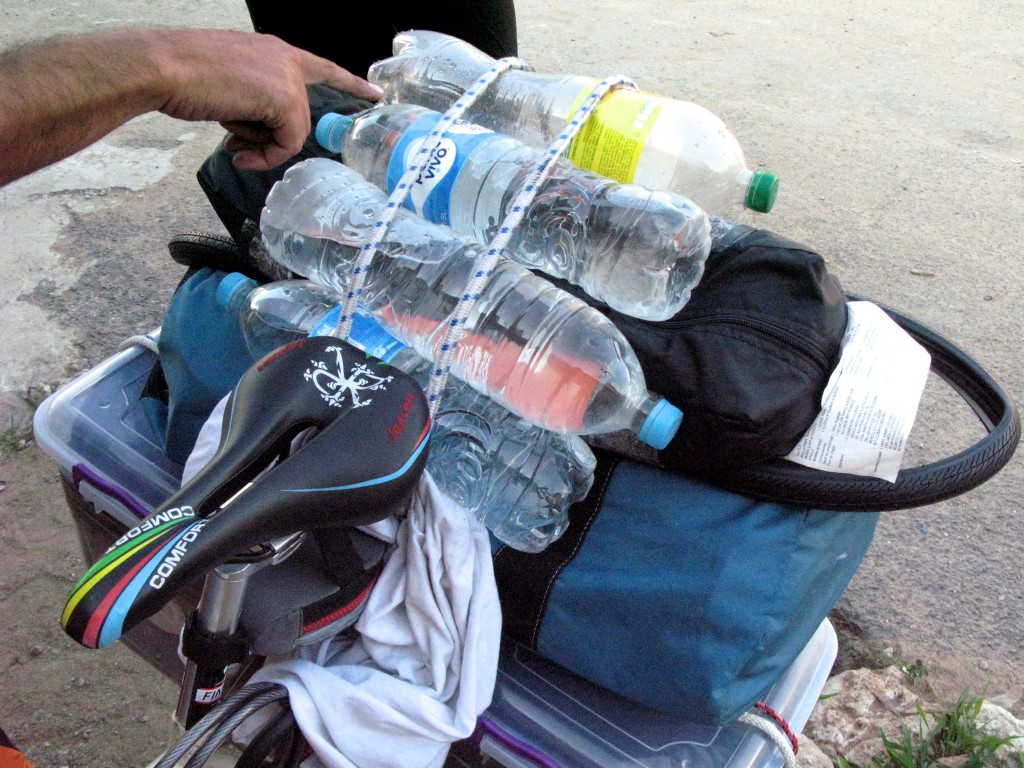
959,733
918,674
12,436
942,739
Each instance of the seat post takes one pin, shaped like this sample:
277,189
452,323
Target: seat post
211,641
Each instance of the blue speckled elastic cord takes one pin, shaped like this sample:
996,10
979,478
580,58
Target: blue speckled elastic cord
387,214
488,259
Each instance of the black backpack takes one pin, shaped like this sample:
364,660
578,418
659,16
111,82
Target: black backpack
748,357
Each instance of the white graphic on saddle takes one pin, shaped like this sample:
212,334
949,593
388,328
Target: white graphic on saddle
333,386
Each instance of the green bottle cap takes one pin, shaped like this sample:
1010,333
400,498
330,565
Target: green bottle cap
762,191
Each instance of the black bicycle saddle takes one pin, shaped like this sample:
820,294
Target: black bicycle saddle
369,450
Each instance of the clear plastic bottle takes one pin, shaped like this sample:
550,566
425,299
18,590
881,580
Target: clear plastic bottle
536,350
518,479
636,137
640,252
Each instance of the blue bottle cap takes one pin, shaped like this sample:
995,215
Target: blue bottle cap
230,285
661,425
331,130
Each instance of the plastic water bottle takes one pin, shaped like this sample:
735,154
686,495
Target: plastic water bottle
538,351
632,136
640,252
518,479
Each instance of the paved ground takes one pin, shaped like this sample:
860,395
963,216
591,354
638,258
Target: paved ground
896,131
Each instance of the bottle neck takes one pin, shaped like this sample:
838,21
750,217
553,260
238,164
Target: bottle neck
743,179
724,232
642,413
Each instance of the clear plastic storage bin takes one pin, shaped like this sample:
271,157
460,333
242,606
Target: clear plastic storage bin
115,472
543,715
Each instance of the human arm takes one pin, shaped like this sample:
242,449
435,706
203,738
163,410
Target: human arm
59,96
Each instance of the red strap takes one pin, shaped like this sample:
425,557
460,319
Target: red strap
781,722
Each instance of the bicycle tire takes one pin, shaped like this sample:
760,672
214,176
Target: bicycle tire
784,482
189,248
216,251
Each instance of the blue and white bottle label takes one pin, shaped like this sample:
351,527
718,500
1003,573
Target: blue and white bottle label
366,334
430,196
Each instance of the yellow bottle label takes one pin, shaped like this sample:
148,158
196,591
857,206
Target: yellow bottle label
610,142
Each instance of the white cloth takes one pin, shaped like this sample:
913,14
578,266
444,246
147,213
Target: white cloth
423,664
206,442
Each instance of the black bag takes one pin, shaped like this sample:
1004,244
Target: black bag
748,357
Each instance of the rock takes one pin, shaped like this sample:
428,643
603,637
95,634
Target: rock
1008,699
856,708
811,756
996,721
863,752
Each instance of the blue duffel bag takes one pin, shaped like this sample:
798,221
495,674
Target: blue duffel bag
677,594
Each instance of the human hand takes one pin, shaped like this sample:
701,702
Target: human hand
254,85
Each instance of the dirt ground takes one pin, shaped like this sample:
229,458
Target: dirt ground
895,128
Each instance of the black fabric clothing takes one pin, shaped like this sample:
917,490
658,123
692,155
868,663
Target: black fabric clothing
489,25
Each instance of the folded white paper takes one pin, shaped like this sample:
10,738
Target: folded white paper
870,403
